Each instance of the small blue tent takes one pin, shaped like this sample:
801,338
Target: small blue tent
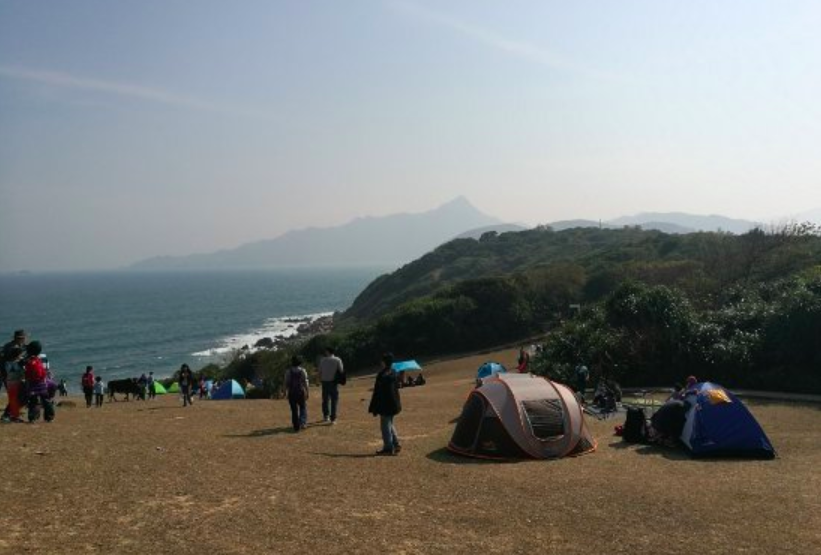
228,390
489,369
719,424
406,366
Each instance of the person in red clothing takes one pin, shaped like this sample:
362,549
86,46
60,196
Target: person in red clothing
524,361
87,383
37,384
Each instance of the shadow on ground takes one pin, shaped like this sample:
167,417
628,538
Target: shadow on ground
442,455
346,455
264,432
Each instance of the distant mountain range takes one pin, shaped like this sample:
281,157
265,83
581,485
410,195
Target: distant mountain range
395,239
401,238
668,222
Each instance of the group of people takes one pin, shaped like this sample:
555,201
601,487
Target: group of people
385,400
93,388
27,381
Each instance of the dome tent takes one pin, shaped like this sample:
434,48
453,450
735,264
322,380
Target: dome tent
521,416
228,390
173,388
489,369
717,423
159,389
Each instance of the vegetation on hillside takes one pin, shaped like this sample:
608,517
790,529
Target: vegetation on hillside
743,310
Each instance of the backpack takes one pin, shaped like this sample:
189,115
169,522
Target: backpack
88,380
635,427
296,387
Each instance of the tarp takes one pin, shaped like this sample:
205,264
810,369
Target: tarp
490,369
405,366
159,389
173,388
228,390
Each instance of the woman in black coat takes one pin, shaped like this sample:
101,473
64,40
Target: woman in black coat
386,403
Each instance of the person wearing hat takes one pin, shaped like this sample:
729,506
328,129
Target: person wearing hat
12,375
37,384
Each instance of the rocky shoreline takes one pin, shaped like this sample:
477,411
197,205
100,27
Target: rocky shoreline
306,328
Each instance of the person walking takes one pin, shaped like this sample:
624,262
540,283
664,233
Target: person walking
87,383
386,404
151,391
186,383
296,388
99,391
331,370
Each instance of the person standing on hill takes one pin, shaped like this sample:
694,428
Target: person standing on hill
11,373
37,384
330,371
99,391
151,391
386,403
523,361
582,377
296,388
87,383
186,383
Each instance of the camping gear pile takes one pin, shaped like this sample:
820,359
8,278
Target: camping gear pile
708,420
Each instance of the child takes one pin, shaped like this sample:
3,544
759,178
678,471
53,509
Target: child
99,390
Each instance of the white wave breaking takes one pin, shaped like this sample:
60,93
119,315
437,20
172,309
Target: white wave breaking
279,327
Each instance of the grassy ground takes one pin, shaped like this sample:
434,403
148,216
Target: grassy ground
230,477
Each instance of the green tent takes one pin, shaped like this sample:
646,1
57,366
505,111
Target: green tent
175,388
159,389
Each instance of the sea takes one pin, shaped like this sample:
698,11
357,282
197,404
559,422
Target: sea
128,323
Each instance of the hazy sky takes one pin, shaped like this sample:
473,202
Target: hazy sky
136,128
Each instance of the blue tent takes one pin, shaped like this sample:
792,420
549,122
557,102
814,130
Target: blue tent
228,390
405,365
489,369
719,424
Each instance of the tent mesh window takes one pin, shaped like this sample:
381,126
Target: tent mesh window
546,417
468,426
495,441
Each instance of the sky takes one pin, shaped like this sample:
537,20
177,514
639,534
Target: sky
169,127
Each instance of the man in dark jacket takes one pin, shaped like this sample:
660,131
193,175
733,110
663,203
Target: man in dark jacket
386,403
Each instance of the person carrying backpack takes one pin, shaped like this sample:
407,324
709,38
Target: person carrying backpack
37,391
296,388
87,383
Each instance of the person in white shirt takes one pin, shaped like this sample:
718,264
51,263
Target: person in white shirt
330,369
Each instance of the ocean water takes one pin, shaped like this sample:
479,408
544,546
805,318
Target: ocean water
125,324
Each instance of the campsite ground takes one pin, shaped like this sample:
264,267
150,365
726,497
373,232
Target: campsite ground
229,477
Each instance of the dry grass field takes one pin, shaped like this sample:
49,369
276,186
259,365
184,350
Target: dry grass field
230,477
